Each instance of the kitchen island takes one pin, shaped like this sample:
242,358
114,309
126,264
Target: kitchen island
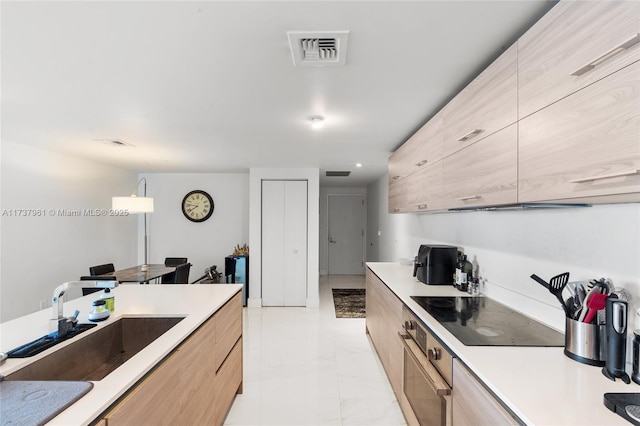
539,385
199,305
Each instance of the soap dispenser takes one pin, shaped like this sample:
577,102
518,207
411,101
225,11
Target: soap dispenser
109,300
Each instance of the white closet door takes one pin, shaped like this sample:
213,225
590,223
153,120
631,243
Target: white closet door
273,226
284,243
295,243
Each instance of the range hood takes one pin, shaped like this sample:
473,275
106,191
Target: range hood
518,206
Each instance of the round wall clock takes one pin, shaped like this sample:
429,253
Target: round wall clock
197,206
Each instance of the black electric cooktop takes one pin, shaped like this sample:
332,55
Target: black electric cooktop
479,321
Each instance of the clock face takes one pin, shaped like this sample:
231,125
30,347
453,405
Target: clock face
197,206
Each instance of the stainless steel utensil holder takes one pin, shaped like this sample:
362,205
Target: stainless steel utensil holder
584,342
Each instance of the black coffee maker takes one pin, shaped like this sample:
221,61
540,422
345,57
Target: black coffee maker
435,264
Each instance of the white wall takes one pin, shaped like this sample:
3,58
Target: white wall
390,237
40,253
324,220
204,243
257,175
508,246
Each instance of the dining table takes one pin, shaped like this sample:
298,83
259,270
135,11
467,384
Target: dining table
142,273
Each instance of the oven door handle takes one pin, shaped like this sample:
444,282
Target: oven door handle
423,364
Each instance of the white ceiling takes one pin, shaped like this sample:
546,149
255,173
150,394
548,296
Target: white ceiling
210,86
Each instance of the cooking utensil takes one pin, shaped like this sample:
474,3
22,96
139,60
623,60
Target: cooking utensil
616,329
540,280
583,312
574,303
556,285
559,281
596,303
582,293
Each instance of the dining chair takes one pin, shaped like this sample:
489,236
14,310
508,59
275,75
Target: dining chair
89,290
101,269
181,275
172,261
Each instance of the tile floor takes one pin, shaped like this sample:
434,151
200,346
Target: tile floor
306,367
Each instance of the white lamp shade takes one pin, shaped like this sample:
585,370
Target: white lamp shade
133,204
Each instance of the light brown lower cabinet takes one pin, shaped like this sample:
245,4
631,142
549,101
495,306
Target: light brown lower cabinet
384,322
196,383
473,404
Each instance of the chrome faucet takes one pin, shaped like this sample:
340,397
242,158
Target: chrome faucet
58,322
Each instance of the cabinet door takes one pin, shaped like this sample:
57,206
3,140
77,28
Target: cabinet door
388,310
420,150
556,56
179,391
419,192
228,382
424,189
587,144
485,173
489,103
473,404
228,328
384,322
399,196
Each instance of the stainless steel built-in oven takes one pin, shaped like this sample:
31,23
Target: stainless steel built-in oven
427,373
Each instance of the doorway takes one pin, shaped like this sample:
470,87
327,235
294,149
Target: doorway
346,234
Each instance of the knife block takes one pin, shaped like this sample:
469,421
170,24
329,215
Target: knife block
585,342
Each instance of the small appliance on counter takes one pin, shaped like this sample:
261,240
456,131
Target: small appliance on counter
626,405
635,376
435,264
616,327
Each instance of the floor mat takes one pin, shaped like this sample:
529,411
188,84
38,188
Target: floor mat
349,302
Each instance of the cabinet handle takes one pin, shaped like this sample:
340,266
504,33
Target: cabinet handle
470,135
422,206
608,55
396,210
469,197
422,163
612,175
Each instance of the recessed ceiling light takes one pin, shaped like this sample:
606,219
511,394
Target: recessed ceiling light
116,142
317,121
358,164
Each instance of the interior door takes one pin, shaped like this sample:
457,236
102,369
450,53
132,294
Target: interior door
284,243
346,234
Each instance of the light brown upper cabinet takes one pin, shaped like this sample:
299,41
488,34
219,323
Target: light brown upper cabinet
489,103
420,150
585,145
418,192
484,173
398,196
424,189
575,44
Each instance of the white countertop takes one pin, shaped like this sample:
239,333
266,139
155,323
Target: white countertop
195,302
540,385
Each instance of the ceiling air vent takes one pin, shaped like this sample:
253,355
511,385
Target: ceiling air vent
337,173
319,48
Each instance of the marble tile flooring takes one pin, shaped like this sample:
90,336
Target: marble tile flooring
303,366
